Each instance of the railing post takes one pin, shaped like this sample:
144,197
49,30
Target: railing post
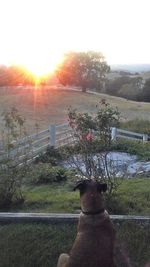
52,131
113,133
145,137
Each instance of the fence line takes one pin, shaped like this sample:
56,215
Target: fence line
57,136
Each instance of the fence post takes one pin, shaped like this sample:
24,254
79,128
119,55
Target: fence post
113,133
145,137
52,131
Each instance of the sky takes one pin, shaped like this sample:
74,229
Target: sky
36,33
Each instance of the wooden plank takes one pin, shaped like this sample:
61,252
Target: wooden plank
64,132
30,137
44,139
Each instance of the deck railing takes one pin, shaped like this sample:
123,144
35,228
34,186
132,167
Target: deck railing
11,217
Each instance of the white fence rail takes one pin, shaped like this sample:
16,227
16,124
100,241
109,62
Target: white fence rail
57,136
119,133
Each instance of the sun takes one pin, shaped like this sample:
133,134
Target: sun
43,66
40,64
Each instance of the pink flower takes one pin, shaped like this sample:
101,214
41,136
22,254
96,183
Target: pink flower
89,137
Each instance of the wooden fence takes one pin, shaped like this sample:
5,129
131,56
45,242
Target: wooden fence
57,136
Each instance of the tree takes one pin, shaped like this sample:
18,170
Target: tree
132,90
20,75
85,69
146,91
125,86
4,76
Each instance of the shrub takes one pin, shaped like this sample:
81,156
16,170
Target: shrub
11,171
93,136
44,173
52,156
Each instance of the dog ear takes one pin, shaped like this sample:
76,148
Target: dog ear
102,187
80,185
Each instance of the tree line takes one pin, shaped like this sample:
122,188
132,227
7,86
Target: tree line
88,70
15,75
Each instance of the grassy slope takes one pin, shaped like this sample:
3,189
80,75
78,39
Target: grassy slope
50,106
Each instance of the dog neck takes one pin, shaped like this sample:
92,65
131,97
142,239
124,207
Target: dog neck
93,212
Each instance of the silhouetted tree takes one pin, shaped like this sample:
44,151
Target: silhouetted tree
85,69
125,86
15,75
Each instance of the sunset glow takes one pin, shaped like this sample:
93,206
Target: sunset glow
36,33
40,66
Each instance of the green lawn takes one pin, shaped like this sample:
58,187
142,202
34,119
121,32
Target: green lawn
132,197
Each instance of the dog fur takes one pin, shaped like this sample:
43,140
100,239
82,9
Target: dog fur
94,244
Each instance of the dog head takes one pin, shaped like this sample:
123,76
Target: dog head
91,195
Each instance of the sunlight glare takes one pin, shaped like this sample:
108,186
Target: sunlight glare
39,65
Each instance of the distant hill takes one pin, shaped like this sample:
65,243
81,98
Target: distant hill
131,67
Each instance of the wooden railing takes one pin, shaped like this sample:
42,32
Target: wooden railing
10,217
57,136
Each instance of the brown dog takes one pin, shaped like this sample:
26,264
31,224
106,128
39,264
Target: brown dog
94,243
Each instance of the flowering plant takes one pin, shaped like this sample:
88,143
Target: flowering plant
92,133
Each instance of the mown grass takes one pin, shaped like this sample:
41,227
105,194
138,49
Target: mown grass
131,197
39,245
57,197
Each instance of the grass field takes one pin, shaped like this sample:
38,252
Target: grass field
45,107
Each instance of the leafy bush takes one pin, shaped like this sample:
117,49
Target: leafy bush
44,173
11,171
52,156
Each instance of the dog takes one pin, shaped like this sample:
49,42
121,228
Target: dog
94,244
